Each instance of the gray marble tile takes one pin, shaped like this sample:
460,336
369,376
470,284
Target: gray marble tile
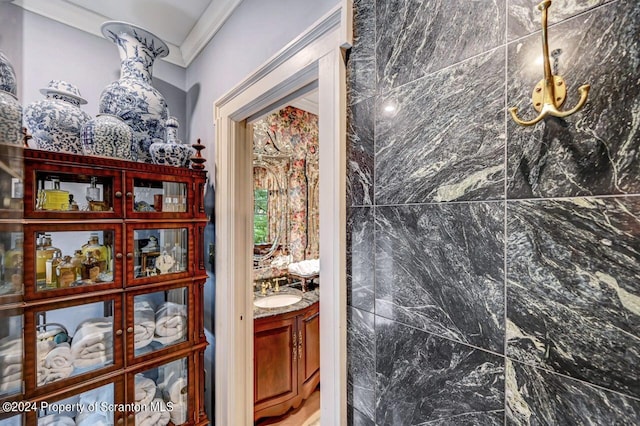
423,378
360,152
573,294
356,418
537,397
524,16
361,67
361,361
444,140
440,268
597,150
415,37
360,258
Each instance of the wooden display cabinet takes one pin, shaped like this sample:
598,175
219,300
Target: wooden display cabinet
99,207
286,360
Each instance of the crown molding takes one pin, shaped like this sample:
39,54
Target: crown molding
85,20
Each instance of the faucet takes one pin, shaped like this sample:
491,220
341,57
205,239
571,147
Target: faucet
263,287
277,283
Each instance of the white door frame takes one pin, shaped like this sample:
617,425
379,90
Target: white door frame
316,55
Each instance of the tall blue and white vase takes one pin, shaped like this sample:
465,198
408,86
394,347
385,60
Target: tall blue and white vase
55,122
10,108
172,152
132,97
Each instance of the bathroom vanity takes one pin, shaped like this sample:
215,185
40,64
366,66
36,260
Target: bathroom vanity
286,354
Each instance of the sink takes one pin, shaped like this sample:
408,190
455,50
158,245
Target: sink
277,300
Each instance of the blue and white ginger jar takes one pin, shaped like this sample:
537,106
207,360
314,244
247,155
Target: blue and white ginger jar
132,97
55,122
107,135
172,152
10,108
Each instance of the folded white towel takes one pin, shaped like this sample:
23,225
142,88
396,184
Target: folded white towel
144,323
305,268
11,385
54,361
56,420
58,357
159,417
171,323
92,343
175,390
145,389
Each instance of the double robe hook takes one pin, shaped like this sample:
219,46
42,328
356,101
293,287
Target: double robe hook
550,92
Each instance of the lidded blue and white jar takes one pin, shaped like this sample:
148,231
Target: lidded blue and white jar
10,108
108,135
172,152
132,97
55,122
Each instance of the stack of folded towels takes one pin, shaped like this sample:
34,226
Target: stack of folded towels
144,323
175,390
145,394
171,323
92,343
10,365
54,359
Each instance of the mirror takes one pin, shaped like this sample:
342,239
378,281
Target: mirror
285,178
269,207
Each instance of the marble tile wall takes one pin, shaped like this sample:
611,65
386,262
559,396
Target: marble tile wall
493,270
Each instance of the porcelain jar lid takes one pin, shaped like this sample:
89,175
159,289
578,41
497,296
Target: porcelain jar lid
63,88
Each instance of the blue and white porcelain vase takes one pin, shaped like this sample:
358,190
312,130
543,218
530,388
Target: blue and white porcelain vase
132,97
10,108
107,135
172,152
55,122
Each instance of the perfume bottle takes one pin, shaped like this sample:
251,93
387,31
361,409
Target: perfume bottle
55,199
66,273
90,268
76,262
51,268
98,252
44,252
93,192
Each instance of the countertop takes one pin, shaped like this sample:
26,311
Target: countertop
308,298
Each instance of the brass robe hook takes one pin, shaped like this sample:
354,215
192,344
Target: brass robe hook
550,92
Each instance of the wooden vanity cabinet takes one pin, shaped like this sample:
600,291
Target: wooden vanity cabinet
286,360
142,254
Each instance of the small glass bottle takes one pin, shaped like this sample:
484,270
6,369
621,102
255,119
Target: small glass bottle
51,277
76,261
73,206
98,252
44,252
90,268
66,273
55,199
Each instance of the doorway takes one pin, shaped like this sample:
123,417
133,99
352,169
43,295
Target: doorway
286,268
316,55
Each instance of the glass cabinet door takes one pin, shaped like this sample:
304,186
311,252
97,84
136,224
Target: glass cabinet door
164,392
70,341
11,420
11,262
11,181
11,353
160,319
157,253
56,194
73,259
96,406
159,198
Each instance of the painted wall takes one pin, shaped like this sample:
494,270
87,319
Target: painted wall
493,269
